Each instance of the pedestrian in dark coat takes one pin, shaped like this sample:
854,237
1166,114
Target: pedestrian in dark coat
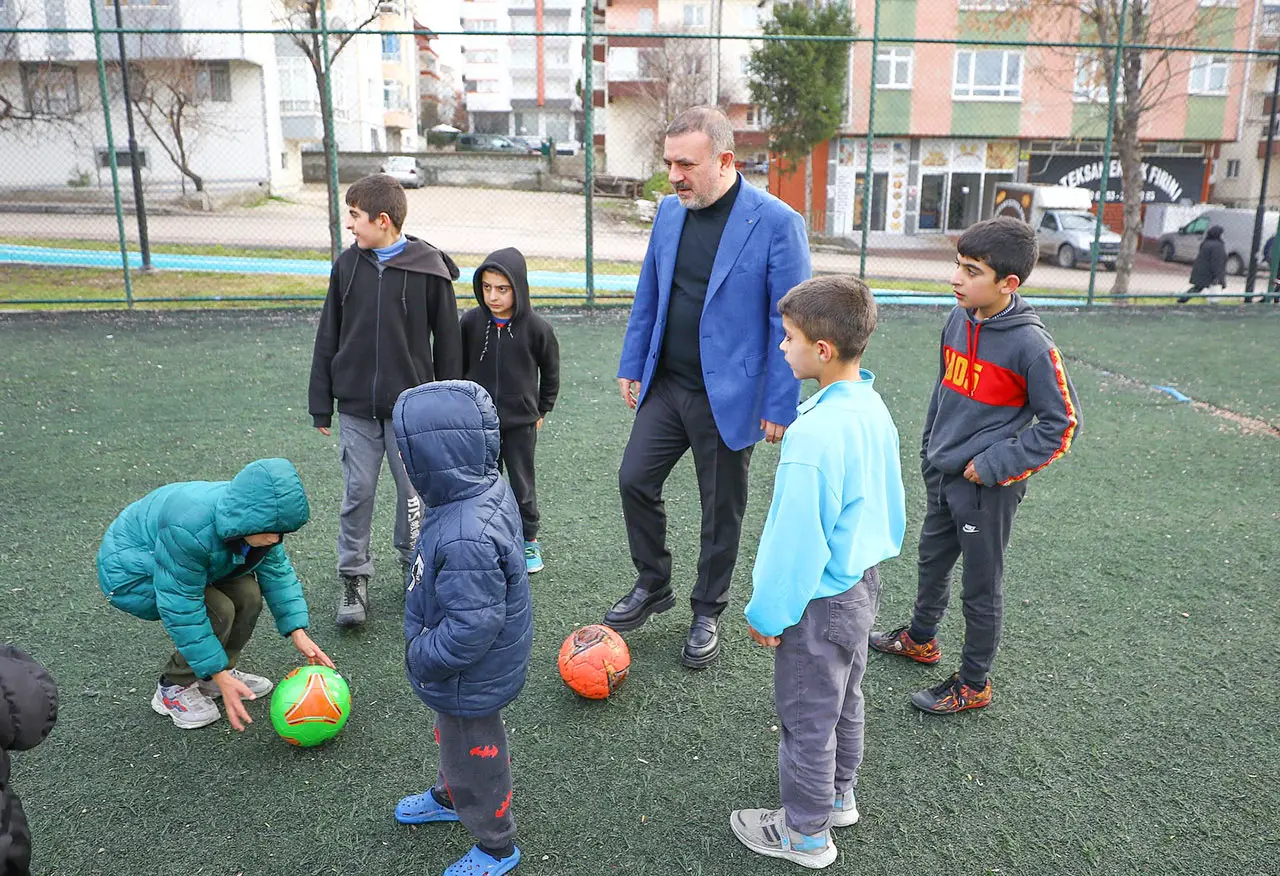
28,708
1210,267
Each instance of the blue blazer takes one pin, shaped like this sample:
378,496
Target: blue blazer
763,253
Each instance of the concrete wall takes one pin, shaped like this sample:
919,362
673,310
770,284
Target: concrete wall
480,169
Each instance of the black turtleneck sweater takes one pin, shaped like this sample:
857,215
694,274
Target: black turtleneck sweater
699,240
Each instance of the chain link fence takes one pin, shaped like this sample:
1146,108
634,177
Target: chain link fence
210,142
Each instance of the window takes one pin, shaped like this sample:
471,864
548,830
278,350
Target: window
390,47
482,56
298,92
1209,74
50,89
990,5
393,97
644,21
988,75
754,117
1233,168
692,65
1229,3
123,158
695,15
1093,81
893,67
480,25
1049,223
213,81
483,86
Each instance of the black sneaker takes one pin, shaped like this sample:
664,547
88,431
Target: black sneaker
952,696
353,602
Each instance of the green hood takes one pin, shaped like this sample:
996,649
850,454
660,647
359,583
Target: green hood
266,496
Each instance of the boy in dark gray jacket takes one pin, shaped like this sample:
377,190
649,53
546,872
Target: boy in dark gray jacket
468,618
1003,409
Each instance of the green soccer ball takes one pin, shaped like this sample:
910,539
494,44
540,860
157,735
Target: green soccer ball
310,705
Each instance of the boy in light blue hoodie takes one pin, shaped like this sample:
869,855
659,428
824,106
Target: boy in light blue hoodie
838,510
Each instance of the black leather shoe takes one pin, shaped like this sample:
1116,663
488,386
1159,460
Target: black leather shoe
703,645
631,611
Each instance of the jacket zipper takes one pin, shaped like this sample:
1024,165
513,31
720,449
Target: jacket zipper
377,345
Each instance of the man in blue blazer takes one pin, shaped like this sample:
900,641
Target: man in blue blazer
701,366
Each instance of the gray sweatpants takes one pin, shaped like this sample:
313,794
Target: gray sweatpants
817,688
362,445
475,773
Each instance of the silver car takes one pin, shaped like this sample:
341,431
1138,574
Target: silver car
404,169
1066,236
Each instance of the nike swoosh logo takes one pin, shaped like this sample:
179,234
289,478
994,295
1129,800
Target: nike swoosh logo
969,527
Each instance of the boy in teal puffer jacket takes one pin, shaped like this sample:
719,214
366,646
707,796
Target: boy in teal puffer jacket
201,557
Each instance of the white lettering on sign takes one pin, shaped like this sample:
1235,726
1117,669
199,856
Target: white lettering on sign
1158,177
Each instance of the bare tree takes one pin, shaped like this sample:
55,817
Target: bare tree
42,93
304,15
674,74
173,99
1145,76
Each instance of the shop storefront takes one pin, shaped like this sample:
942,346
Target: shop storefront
919,186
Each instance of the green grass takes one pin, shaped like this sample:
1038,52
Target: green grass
1134,727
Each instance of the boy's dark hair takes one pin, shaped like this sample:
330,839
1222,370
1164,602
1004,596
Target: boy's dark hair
838,309
1008,245
379,193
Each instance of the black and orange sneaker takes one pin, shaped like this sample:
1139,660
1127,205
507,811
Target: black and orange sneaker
952,696
899,642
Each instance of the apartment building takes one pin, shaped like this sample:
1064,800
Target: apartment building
231,130
1237,170
953,120
400,103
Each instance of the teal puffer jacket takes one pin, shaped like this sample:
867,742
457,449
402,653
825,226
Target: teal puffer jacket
161,553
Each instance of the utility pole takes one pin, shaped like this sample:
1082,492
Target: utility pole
144,242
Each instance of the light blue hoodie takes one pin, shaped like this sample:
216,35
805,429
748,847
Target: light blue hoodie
838,504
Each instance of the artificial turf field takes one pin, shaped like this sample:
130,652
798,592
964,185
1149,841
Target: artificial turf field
1134,729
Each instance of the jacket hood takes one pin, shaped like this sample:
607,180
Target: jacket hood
1021,314
418,257
448,437
266,496
510,262
1214,233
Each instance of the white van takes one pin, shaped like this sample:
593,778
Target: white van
1237,236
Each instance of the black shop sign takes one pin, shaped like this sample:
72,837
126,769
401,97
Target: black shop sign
1166,179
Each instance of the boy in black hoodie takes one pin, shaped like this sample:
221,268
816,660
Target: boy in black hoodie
512,352
1003,408
390,322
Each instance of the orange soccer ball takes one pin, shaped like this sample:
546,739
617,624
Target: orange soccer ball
594,661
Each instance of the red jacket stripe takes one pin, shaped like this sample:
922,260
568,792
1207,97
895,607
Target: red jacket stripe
1060,378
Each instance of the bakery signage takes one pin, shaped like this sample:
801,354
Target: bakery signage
1166,179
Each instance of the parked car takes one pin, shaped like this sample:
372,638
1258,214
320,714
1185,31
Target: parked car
490,143
531,144
1237,236
757,167
1066,236
405,170
567,147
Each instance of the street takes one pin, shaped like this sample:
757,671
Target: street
476,221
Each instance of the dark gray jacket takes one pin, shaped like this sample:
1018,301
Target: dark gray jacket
995,377
28,708
1210,267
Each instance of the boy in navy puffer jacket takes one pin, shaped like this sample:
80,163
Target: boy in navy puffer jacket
468,618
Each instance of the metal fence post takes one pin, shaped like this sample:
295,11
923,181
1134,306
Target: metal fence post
111,152
1106,154
335,223
871,137
588,134
1261,215
139,205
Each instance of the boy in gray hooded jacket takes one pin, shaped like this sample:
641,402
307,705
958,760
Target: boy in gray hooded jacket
1003,408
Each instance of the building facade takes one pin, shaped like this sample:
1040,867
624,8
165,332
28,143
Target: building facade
1237,173
951,121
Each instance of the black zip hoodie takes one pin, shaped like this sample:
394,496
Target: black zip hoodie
518,363
384,328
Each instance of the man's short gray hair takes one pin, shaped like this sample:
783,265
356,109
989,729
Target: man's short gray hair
707,120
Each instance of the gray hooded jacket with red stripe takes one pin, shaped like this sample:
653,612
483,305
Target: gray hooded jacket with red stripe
1003,397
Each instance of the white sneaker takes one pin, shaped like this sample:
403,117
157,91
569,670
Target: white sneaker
258,685
844,810
187,706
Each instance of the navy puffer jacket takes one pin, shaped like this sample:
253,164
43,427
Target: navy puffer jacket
468,619
28,708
